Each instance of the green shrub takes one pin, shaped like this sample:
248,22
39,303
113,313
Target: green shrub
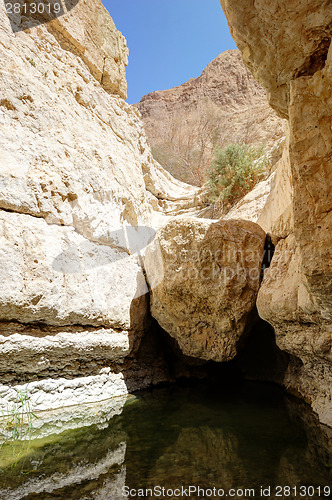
16,422
234,171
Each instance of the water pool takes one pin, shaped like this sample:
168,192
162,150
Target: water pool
246,437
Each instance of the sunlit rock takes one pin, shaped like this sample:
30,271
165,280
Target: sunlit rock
204,279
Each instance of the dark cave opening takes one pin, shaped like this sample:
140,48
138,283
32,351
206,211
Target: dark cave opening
258,359
268,253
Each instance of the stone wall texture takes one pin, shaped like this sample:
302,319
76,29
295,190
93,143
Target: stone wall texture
75,170
287,46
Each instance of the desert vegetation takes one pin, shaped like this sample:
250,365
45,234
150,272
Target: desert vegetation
234,171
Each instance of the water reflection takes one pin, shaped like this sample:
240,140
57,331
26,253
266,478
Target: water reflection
175,436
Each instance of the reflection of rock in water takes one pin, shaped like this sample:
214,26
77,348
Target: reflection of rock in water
241,438
317,457
66,483
201,456
111,488
70,465
63,419
222,440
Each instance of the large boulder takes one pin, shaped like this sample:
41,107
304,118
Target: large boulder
204,277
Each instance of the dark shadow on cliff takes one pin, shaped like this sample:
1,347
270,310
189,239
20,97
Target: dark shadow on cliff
258,358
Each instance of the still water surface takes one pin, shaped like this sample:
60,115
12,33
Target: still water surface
246,437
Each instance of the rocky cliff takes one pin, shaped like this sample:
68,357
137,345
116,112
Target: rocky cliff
287,46
75,171
223,105
81,196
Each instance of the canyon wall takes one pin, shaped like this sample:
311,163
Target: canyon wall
223,105
287,47
75,171
81,196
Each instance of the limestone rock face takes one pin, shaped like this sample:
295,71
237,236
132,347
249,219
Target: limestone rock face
285,301
84,160
75,171
288,50
204,277
39,350
311,162
88,31
280,41
251,206
52,275
276,216
224,103
92,32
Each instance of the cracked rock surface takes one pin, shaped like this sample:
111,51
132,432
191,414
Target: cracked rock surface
287,46
75,169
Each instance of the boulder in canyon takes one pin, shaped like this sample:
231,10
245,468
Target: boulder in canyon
204,277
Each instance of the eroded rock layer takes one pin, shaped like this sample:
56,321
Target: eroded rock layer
75,171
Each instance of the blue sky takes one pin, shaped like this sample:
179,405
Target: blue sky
169,41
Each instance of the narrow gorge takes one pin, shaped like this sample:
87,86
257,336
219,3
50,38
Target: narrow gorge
113,280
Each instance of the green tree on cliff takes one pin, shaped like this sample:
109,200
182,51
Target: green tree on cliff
234,171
